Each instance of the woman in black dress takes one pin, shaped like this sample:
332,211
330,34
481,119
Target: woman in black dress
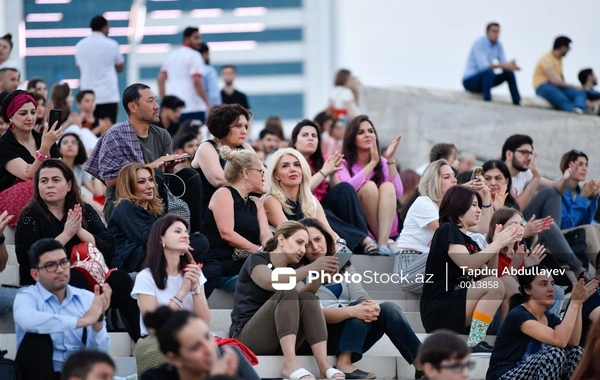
235,223
453,291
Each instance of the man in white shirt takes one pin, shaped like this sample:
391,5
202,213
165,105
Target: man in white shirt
539,197
99,60
185,68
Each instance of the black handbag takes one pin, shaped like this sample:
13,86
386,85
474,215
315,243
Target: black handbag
8,368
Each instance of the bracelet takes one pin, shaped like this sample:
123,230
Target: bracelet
41,156
323,174
178,299
174,300
260,248
487,206
392,162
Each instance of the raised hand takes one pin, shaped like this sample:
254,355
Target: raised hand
50,135
192,274
327,264
333,164
571,170
506,236
374,153
536,256
582,291
500,198
4,220
533,166
588,189
391,150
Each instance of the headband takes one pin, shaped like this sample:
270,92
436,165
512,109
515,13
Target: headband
17,102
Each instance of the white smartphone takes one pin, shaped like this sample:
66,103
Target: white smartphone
343,254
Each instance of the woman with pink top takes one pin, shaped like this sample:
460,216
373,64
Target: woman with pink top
374,177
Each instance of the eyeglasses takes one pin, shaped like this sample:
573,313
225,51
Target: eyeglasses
457,368
524,152
53,266
261,170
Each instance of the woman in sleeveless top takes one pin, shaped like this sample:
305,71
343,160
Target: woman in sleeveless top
235,223
229,125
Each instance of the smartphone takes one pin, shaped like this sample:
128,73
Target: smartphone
477,172
55,115
182,158
343,254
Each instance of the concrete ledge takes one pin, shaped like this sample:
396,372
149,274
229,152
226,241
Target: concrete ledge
425,117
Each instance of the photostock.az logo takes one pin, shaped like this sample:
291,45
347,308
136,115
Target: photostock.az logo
276,272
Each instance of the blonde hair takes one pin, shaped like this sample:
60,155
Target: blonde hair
127,182
305,197
430,185
237,161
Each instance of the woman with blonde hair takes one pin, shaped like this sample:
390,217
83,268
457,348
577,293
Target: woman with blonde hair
138,206
290,197
235,223
422,220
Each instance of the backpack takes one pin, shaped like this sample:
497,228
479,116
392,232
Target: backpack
8,368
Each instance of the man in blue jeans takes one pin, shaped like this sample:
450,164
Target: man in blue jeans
549,82
486,55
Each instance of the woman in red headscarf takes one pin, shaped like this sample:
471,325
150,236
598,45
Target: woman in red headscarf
22,150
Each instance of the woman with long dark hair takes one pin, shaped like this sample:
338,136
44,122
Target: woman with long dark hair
339,199
58,211
374,177
534,344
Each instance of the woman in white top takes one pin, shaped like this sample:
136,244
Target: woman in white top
422,220
341,98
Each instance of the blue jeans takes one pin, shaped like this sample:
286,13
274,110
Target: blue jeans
356,336
562,98
192,116
484,80
7,297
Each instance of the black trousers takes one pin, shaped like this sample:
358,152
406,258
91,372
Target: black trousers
110,110
121,284
34,358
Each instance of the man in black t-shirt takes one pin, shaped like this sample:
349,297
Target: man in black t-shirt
229,94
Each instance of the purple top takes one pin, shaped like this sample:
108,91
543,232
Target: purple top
359,179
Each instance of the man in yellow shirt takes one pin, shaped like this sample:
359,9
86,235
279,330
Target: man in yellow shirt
549,82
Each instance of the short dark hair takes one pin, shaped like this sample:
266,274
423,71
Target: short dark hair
203,48
98,22
167,323
569,157
584,74
322,117
561,41
265,132
32,83
172,102
80,363
223,116
441,151
232,67
442,345
490,25
42,246
500,165
185,139
187,32
83,93
513,143
132,94
5,69
8,38
456,203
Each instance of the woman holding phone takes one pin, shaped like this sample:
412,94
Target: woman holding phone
354,321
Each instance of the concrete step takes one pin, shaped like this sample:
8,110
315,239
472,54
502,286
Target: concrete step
121,344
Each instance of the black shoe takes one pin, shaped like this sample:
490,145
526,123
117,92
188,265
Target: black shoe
481,349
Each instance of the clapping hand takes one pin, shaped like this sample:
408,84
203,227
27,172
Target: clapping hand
333,164
582,291
534,227
571,170
73,223
499,199
391,150
534,257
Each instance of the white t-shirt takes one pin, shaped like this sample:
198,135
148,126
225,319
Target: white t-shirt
416,233
339,96
520,181
144,284
88,138
12,64
96,57
183,63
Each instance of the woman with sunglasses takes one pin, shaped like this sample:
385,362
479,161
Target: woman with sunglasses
235,223
534,344
228,124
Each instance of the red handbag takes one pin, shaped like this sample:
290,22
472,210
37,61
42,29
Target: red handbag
88,260
15,198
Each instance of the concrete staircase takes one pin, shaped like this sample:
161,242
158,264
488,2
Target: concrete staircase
383,358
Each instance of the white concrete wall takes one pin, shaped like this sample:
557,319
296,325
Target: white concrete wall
425,43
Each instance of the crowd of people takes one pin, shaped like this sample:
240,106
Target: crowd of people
144,219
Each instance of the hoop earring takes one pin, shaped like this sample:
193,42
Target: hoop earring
11,126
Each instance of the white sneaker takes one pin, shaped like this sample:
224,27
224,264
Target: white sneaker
578,110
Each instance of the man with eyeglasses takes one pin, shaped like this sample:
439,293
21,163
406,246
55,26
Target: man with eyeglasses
539,197
54,319
445,357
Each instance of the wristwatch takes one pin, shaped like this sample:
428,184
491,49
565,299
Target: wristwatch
197,291
340,241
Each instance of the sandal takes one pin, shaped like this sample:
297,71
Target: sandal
302,373
331,372
371,248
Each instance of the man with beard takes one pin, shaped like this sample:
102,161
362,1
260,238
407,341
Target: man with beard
229,94
540,198
139,140
588,81
549,81
54,319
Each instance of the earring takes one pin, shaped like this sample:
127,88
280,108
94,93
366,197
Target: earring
163,244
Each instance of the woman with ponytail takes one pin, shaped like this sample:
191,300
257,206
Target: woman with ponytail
192,353
534,344
273,310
